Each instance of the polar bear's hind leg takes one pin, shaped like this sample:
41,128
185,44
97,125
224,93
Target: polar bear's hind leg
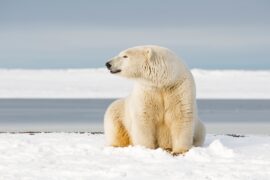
115,132
199,134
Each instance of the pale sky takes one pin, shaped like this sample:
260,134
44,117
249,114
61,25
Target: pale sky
207,34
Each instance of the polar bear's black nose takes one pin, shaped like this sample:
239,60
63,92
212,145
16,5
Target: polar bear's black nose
108,65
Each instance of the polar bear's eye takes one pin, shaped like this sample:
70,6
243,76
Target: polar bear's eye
125,56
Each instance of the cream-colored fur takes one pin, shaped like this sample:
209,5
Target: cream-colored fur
161,111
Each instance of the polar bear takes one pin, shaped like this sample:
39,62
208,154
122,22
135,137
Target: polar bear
161,111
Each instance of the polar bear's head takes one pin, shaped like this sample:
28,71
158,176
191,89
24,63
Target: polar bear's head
153,64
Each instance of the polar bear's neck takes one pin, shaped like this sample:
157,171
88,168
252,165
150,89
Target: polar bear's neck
173,75
168,83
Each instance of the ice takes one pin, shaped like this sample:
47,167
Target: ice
99,83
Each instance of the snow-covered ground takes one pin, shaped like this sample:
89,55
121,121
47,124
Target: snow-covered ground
84,156
99,83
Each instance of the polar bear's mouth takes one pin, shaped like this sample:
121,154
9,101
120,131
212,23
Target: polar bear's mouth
115,71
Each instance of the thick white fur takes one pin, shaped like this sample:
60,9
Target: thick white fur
161,111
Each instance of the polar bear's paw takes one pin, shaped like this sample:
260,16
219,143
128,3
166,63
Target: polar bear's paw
179,152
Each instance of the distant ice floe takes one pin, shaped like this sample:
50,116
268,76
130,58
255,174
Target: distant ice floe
99,83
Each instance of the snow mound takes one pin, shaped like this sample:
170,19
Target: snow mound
84,156
99,83
216,149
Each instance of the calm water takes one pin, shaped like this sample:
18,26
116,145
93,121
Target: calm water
220,116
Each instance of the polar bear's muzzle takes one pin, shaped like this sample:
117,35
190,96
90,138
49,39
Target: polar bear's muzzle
112,70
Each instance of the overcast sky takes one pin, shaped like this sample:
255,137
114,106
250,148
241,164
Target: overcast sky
83,34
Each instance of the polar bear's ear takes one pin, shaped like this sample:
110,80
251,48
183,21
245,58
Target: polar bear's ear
148,53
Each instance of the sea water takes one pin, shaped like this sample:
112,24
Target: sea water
86,115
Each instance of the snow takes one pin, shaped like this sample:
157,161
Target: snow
84,156
99,83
